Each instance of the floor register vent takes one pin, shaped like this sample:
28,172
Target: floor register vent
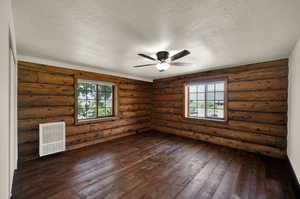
52,138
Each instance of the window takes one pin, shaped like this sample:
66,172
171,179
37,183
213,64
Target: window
94,100
206,100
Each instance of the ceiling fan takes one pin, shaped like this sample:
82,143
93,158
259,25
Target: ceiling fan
163,61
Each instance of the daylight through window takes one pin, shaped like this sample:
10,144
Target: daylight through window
206,100
94,99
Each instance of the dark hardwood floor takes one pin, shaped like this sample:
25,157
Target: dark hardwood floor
153,165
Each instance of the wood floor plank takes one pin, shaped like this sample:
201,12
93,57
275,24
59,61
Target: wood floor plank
153,165
166,175
225,187
135,172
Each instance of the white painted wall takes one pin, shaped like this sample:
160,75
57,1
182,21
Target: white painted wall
13,148
7,150
293,147
4,100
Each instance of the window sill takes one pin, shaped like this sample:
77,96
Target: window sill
97,120
206,119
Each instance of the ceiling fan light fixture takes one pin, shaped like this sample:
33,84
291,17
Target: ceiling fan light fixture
163,66
164,61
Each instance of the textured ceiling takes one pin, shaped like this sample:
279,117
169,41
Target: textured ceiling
109,33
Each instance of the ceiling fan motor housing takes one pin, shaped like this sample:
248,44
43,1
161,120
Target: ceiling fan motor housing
162,55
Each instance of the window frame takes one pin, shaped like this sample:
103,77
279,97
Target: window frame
115,103
206,81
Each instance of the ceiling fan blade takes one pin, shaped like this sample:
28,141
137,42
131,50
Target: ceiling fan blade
138,66
180,55
180,64
147,57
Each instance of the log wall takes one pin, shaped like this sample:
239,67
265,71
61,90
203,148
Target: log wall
46,94
257,108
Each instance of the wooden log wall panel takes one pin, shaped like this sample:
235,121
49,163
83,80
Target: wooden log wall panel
134,107
49,78
229,71
257,108
172,97
256,74
135,100
45,89
279,95
38,100
128,114
122,122
239,92
136,87
31,124
105,139
165,91
268,129
77,133
126,93
264,128
44,112
227,133
267,84
267,118
256,148
261,106
46,94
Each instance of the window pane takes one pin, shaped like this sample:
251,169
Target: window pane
201,104
101,104
219,95
107,88
210,96
81,90
91,108
193,96
81,86
91,87
108,96
193,108
210,112
210,104
220,86
101,96
219,113
81,104
207,100
210,87
108,103
192,111
219,105
201,88
82,113
81,95
101,112
201,96
100,88
91,104
91,94
108,111
87,100
91,113
192,88
201,113
193,103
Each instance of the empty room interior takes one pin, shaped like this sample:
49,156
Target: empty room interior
145,99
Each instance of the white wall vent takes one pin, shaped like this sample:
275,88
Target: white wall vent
52,138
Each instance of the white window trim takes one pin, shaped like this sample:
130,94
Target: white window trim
206,81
